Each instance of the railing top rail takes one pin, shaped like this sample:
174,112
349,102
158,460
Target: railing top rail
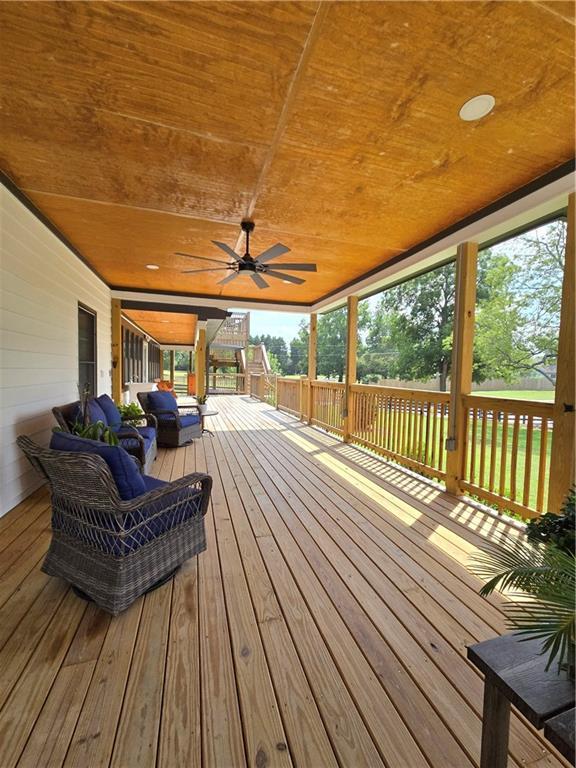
327,384
515,407
411,394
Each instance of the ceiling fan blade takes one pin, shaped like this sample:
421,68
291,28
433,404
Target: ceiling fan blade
259,280
228,279
272,253
228,250
208,269
285,277
296,267
202,258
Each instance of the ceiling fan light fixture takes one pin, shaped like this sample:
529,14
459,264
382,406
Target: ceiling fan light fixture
477,107
152,266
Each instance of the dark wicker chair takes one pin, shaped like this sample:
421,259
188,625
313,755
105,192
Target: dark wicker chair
129,437
173,430
111,550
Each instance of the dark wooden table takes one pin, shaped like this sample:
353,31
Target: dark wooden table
515,674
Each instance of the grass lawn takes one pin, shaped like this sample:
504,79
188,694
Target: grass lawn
521,394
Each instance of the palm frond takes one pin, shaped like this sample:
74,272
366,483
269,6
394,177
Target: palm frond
546,574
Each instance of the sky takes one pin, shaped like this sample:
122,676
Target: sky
283,324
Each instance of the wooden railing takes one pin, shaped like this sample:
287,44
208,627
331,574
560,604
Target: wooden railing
288,395
227,383
408,426
327,405
234,330
507,452
263,387
505,458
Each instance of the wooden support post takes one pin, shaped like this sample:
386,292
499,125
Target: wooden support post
116,351
563,453
495,727
350,375
200,352
172,366
462,358
312,354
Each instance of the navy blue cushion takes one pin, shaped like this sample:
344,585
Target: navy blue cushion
95,412
124,470
187,420
152,483
147,432
162,401
110,410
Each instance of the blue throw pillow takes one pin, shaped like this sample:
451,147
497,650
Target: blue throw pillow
110,410
124,470
162,401
95,412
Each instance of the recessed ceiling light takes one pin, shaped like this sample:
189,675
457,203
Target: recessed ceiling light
152,266
286,281
477,108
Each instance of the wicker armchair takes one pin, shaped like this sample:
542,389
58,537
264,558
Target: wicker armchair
177,425
111,550
129,436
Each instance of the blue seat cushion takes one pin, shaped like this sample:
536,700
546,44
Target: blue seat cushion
189,419
124,470
132,443
152,483
95,412
148,433
108,406
162,401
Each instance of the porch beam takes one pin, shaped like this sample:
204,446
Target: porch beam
462,359
116,351
351,362
563,453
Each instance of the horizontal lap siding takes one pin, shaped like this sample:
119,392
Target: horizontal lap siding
41,283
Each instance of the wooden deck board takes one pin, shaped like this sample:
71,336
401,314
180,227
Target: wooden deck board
326,624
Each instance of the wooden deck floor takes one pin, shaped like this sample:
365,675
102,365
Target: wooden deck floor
326,624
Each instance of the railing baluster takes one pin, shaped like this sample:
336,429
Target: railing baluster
503,454
514,458
542,464
493,442
483,447
472,475
528,461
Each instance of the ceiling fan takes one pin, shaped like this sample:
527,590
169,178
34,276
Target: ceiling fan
256,267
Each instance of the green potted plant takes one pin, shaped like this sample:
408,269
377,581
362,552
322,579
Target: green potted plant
130,410
92,431
202,403
539,571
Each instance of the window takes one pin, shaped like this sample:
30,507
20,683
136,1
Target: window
87,350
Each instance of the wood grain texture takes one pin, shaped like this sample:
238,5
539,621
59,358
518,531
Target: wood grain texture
335,125
343,577
165,327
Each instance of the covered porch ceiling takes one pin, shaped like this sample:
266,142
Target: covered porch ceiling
141,129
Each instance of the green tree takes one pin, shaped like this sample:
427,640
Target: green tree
332,340
299,350
411,330
517,325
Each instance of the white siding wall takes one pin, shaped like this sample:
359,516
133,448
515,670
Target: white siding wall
41,283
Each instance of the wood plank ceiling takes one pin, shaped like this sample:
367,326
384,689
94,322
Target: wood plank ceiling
145,128
165,327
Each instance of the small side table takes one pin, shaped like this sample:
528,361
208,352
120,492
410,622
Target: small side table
515,674
204,416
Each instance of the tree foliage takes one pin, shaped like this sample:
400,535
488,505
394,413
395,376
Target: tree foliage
407,332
